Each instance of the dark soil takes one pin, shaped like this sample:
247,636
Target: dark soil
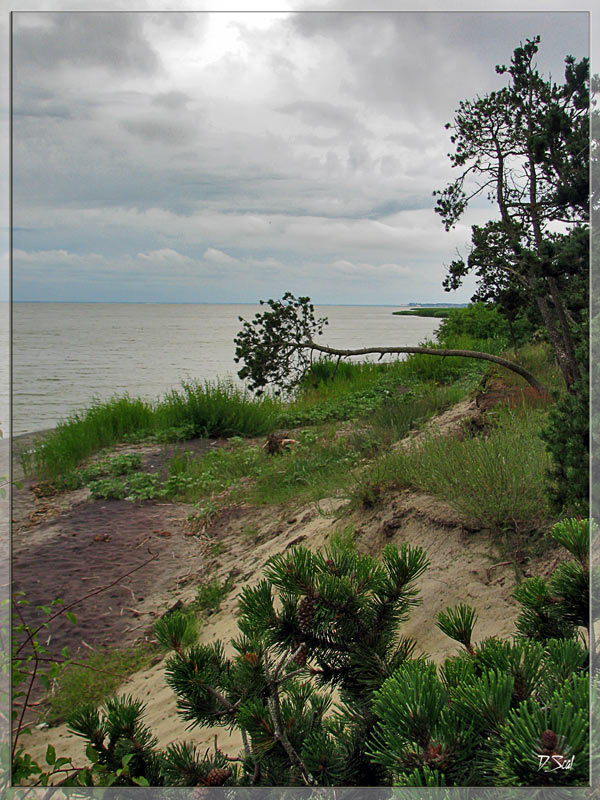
139,555
68,546
142,553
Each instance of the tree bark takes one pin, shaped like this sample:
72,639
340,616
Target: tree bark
555,339
503,362
564,326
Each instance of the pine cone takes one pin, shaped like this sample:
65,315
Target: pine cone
216,776
306,612
549,740
300,657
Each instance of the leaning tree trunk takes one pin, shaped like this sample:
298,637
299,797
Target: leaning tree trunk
503,362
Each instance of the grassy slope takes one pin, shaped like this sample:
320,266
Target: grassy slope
494,479
344,448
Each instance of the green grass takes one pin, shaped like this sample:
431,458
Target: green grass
192,479
308,471
216,409
100,676
85,432
210,594
399,414
211,409
320,462
497,481
311,468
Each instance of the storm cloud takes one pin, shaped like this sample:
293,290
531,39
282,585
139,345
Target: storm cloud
228,156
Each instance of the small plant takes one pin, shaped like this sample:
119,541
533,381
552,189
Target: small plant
559,607
138,486
176,433
93,679
176,630
211,594
122,464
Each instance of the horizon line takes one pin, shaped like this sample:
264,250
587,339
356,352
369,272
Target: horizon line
220,303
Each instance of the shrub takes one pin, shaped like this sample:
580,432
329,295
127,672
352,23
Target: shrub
210,594
497,713
476,320
496,481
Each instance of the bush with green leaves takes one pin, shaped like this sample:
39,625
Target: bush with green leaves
481,320
498,713
32,664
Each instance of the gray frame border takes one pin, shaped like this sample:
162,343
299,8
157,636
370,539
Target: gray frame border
240,793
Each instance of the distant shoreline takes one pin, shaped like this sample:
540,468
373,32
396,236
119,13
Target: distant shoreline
229,303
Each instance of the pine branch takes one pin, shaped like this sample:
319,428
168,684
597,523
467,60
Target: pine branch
275,709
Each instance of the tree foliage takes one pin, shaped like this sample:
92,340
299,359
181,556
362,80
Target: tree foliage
498,713
271,345
525,147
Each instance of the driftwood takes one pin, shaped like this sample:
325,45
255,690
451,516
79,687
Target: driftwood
276,443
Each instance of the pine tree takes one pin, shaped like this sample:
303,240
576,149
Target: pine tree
497,713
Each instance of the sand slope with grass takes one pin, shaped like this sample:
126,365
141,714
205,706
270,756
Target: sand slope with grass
467,564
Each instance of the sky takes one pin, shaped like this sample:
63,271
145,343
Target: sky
228,157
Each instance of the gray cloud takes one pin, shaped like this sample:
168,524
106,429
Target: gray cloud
247,151
157,130
112,41
323,114
172,100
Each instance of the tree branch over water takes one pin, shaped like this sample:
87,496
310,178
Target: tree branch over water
277,347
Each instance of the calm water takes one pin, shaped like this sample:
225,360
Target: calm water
66,354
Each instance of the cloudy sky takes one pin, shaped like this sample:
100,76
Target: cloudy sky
227,157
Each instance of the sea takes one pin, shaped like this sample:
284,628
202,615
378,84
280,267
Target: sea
67,355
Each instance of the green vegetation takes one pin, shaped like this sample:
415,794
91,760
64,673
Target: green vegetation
526,148
498,713
176,629
481,321
382,402
496,480
210,594
85,433
436,313
93,679
567,439
210,409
